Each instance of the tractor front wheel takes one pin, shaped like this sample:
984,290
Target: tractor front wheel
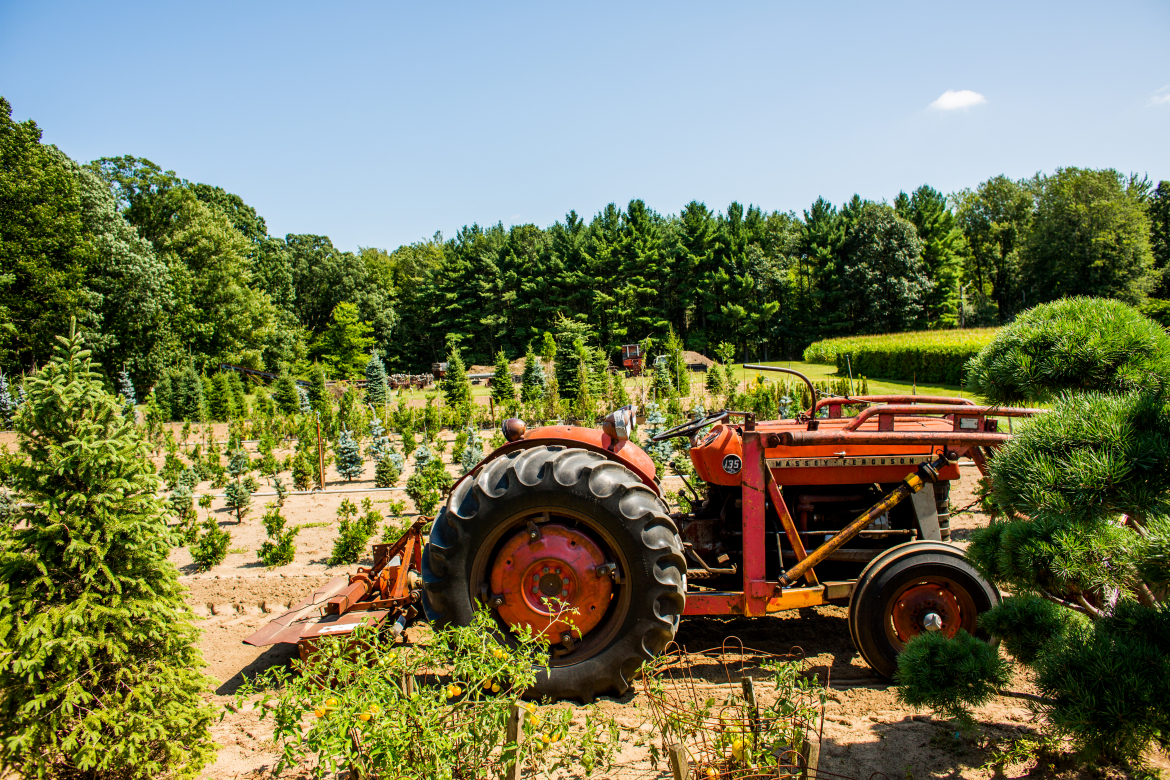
570,544
911,588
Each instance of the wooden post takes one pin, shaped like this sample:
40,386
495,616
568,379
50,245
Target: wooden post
680,765
515,735
408,685
492,405
320,456
749,697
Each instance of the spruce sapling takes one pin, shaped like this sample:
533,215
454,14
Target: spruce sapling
7,404
376,380
126,391
132,704
348,456
278,549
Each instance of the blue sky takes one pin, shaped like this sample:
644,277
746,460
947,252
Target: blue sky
378,124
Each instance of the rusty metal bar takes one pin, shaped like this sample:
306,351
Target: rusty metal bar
855,400
923,409
789,527
910,485
929,438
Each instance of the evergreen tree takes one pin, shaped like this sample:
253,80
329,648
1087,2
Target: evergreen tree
126,390
164,396
377,391
379,441
188,396
456,388
532,380
472,450
502,392
279,549
285,394
1081,538
304,406
388,470
236,386
219,403
659,452
7,405
100,675
348,456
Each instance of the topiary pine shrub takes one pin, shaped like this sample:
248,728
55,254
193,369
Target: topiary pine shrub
1082,529
99,674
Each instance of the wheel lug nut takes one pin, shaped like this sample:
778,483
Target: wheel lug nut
564,593
535,590
565,580
558,571
545,570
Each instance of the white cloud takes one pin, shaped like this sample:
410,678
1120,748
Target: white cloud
952,100
1161,96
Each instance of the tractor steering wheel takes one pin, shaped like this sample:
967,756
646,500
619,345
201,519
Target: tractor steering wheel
688,428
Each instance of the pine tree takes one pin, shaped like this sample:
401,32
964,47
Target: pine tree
379,441
389,469
303,400
1082,534
285,394
456,387
472,450
100,675
126,390
376,381
348,456
303,471
188,396
164,395
278,549
7,405
532,380
659,452
218,400
236,385
502,392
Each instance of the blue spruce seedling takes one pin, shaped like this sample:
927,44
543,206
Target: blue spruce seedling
349,456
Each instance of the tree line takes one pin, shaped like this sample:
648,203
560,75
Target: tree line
162,273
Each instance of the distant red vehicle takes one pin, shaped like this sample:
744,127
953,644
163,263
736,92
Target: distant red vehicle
632,358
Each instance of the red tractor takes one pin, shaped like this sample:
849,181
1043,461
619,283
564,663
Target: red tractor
796,513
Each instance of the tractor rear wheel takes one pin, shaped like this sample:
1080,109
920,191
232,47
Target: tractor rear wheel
911,588
550,527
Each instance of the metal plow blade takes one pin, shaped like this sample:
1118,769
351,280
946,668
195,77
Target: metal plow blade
387,590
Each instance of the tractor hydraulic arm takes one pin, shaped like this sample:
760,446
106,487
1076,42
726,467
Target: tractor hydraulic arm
927,472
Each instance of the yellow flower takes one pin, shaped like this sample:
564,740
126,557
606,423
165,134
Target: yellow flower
497,653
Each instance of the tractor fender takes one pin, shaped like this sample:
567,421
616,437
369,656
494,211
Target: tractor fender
620,451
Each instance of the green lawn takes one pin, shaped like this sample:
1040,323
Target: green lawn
819,372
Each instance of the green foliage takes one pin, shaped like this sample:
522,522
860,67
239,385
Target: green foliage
447,727
1110,688
304,473
388,470
532,380
348,456
377,390
354,532
100,671
210,548
503,393
1090,236
238,498
345,342
428,484
934,356
473,450
284,393
1030,625
219,402
950,675
1076,344
279,549
456,387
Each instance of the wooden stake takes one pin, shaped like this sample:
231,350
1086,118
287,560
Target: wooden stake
749,697
515,734
680,765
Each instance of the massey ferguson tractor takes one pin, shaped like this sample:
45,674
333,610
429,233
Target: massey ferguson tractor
564,529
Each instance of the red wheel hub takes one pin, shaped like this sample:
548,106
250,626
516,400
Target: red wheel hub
927,606
560,568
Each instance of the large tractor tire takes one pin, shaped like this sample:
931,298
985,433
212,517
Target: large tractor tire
551,526
915,587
